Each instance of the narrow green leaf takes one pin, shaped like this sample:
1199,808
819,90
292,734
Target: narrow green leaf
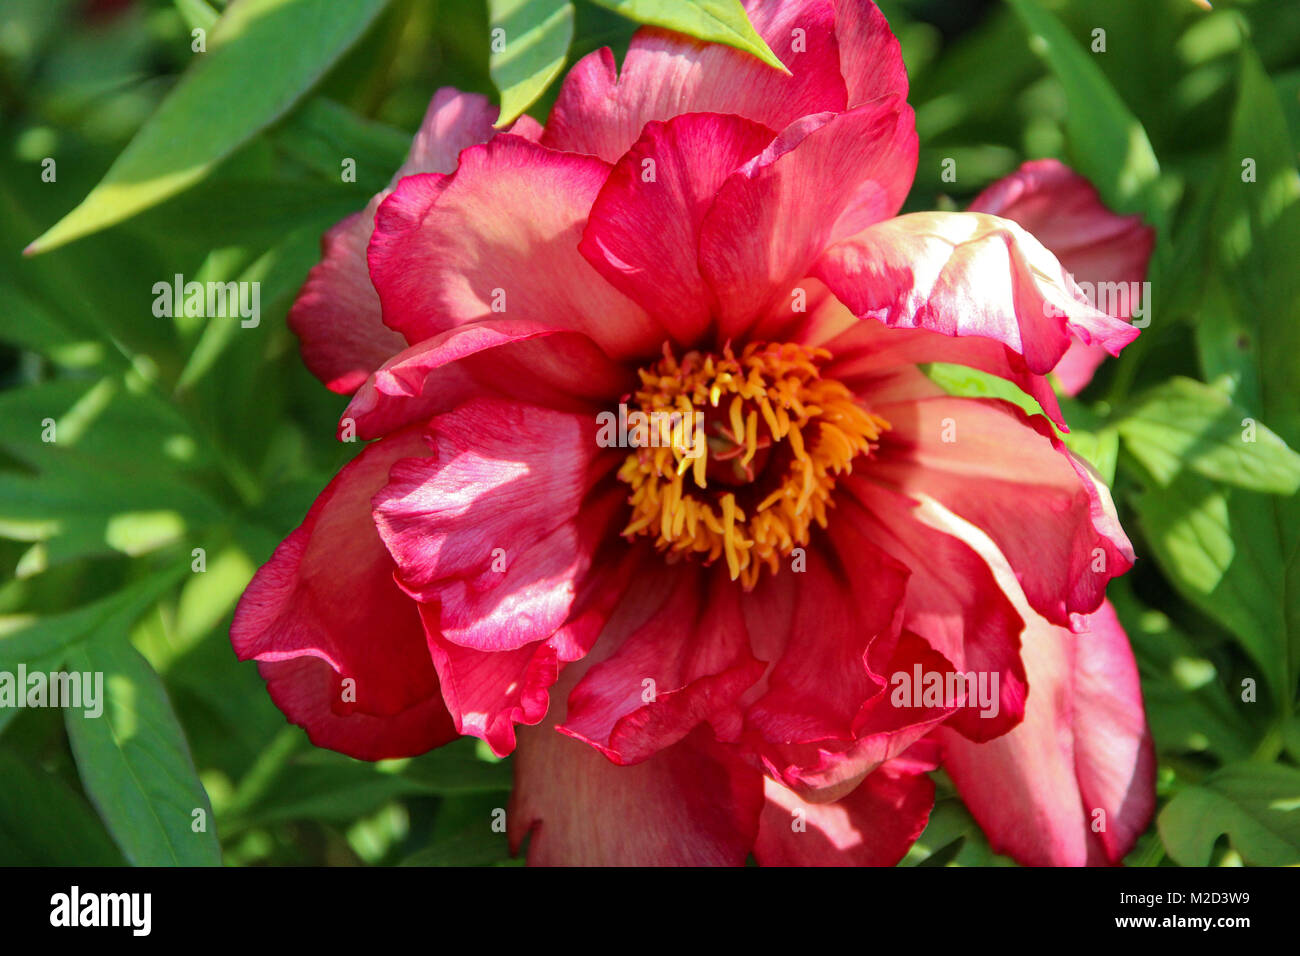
43,822
45,636
1107,143
277,272
261,57
322,134
716,21
473,847
196,14
135,763
1187,424
1256,292
529,43
1256,805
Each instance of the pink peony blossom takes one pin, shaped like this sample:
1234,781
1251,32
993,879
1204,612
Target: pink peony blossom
703,652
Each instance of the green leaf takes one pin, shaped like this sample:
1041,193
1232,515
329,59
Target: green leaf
1188,707
1107,143
276,272
1256,805
455,769
135,763
529,43
1256,291
43,822
467,832
715,21
1187,424
45,636
321,786
1256,227
973,383
98,423
952,838
478,846
196,14
262,56
322,133
1210,544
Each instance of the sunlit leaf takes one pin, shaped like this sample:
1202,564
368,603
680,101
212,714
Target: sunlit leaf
135,763
261,57
529,43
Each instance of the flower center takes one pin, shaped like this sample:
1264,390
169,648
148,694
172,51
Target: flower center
757,440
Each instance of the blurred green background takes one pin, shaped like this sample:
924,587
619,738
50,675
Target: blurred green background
184,434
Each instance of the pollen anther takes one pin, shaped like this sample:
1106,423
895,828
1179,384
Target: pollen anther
776,436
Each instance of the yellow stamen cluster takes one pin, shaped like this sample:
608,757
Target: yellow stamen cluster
766,408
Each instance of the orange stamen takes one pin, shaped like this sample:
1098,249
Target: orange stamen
770,396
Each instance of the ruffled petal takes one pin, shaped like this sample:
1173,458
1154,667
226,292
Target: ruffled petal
308,691
864,350
968,274
498,527
873,825
690,663
689,805
826,177
665,74
821,627
1109,253
822,718
1007,474
499,239
1075,783
644,231
953,601
325,609
337,316
489,692
885,726
527,361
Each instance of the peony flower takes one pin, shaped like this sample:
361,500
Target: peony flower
755,642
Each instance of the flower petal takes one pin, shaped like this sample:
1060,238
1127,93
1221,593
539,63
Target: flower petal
644,231
1007,474
953,601
523,360
695,656
499,239
863,350
822,716
870,57
665,74
497,526
828,629
337,315
968,274
1075,783
1065,214
308,691
325,608
689,805
874,825
826,177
